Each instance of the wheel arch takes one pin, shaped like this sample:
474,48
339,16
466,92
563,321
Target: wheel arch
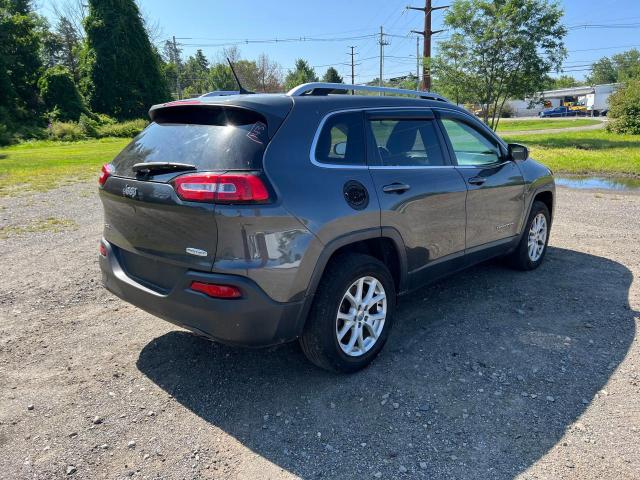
385,243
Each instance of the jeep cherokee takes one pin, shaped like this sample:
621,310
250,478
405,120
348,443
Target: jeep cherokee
259,219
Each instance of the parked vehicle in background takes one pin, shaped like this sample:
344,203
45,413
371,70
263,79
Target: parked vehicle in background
558,112
261,219
597,103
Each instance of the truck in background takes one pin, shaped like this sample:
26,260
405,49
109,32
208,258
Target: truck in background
597,103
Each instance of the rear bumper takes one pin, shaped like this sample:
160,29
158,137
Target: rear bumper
253,320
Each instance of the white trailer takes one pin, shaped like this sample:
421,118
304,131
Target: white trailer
597,103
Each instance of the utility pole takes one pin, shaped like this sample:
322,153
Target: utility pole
417,63
176,55
353,74
382,43
427,33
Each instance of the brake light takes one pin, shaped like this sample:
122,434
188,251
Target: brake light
210,187
215,290
105,172
102,249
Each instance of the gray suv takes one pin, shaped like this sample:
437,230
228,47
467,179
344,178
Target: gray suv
261,219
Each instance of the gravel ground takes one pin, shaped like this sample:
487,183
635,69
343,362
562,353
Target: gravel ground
488,374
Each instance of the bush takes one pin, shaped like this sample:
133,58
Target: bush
88,126
67,131
6,137
624,109
60,94
127,129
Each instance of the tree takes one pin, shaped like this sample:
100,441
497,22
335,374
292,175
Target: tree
60,93
564,81
221,78
505,48
269,76
303,73
619,68
195,75
21,33
332,76
624,109
603,71
62,47
121,74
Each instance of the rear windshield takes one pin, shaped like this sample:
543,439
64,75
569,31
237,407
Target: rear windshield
218,140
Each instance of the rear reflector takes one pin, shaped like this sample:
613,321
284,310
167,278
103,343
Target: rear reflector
215,290
211,187
105,172
102,249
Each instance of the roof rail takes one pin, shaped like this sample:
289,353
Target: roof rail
324,88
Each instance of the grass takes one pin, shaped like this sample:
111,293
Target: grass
50,224
42,165
520,125
595,151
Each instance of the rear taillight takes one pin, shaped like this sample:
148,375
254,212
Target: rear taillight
223,188
215,290
102,249
105,172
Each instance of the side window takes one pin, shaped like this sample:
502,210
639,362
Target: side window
341,141
407,143
470,146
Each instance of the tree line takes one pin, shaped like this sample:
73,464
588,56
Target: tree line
97,65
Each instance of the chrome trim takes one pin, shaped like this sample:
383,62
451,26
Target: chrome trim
309,87
417,167
314,144
312,153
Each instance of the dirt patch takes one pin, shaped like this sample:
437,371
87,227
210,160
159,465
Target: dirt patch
489,374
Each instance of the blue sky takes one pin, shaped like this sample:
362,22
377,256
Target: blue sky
340,24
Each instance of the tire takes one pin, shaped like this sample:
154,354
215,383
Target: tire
319,340
521,258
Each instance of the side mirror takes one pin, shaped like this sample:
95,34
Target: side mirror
340,149
518,152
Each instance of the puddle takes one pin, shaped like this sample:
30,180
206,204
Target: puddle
619,184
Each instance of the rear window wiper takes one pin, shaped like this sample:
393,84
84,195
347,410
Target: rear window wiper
146,168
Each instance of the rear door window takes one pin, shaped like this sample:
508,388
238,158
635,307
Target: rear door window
407,142
210,139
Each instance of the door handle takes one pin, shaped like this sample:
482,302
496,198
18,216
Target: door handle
477,180
396,188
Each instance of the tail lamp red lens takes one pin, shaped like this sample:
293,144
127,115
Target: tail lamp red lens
211,187
215,290
102,249
105,172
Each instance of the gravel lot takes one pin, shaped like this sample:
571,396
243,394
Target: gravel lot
488,374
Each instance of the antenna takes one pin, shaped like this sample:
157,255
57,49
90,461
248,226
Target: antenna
241,89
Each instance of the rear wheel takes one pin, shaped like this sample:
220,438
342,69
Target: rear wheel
533,244
351,315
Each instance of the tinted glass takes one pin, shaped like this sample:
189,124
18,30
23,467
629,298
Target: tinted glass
341,140
237,144
407,143
470,146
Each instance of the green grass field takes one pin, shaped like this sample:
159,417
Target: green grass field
595,151
543,124
42,165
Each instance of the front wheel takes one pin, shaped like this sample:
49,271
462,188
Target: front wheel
535,238
351,315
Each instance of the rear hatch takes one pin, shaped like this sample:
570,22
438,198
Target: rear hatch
159,194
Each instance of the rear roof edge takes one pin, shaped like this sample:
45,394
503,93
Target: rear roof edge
274,107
